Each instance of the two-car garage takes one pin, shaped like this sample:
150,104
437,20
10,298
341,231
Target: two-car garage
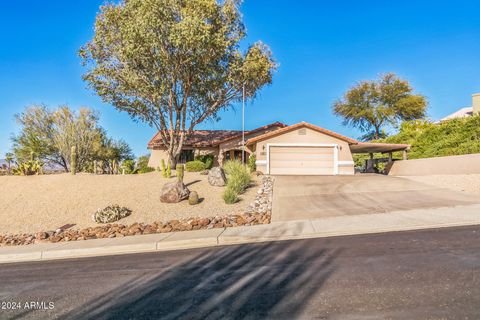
303,149
285,159
306,149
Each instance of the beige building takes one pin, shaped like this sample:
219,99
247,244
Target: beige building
467,111
300,149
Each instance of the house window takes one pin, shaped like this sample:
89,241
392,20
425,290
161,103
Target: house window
186,155
235,155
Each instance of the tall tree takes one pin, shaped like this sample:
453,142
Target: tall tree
36,136
174,63
372,105
49,136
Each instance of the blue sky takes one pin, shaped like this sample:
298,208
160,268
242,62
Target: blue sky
323,48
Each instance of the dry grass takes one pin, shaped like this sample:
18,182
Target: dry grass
459,182
38,203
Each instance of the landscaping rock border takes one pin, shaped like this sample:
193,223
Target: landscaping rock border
263,200
259,212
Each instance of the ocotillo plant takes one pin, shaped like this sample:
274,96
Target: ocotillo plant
164,170
180,172
73,160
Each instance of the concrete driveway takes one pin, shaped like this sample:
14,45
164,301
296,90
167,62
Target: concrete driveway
312,197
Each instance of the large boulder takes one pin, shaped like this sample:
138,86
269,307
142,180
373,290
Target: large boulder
174,192
216,177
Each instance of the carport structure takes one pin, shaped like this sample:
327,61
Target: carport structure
383,148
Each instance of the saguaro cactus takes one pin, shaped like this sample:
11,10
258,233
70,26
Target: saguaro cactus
164,169
180,172
169,170
73,160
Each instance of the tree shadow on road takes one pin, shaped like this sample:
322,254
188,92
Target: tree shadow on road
274,280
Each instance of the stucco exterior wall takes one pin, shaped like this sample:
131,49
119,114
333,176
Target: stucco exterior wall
465,164
157,155
311,137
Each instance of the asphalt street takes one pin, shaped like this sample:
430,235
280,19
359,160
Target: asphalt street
432,274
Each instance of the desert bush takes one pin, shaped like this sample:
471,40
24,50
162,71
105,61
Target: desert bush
207,159
142,165
145,170
129,166
447,138
230,196
231,166
195,166
111,214
251,163
28,168
238,180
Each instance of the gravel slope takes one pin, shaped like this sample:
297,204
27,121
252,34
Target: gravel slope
39,203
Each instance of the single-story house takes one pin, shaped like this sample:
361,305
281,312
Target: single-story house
299,149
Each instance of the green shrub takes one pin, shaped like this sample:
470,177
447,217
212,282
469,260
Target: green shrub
238,180
145,170
207,159
28,168
231,166
142,165
251,163
128,165
230,196
195,166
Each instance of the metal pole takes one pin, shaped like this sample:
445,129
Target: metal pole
243,125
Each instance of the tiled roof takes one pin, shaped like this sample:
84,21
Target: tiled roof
210,138
301,125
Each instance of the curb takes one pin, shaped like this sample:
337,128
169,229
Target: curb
277,231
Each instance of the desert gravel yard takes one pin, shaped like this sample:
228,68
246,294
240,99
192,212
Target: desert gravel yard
39,203
459,182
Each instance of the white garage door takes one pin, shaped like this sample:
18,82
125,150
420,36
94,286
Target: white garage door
293,160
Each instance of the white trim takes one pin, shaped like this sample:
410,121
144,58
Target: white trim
345,163
328,145
335,160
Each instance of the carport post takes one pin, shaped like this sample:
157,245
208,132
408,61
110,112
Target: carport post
371,155
390,157
405,155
